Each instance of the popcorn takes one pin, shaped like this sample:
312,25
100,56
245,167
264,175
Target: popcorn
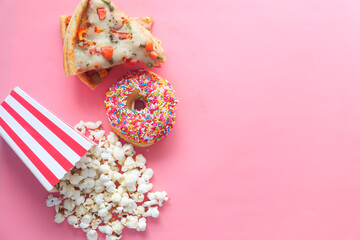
107,218
95,223
112,237
91,125
119,154
141,225
131,188
80,210
128,149
97,135
99,198
130,178
59,218
52,201
118,210
147,175
92,235
117,227
88,173
80,164
106,229
131,221
110,186
112,138
128,164
153,212
88,183
75,195
127,203
138,197
116,176
158,197
87,161
145,187
69,204
95,151
80,200
107,196
85,221
140,210
96,194
105,177
84,226
95,164
149,203
116,197
72,220
81,127
103,212
88,204
67,190
140,160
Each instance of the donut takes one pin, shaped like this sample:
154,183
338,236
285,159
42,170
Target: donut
148,125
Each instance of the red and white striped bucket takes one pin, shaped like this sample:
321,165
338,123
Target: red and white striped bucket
47,145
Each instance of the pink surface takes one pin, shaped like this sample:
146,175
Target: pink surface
267,134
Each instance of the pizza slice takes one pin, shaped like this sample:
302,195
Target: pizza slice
94,77
100,36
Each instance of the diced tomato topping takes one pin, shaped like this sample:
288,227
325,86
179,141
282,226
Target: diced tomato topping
92,51
107,52
98,30
149,46
101,13
153,54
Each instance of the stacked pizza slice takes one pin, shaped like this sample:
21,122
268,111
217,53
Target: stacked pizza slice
98,36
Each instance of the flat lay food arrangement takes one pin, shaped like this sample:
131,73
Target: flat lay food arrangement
179,120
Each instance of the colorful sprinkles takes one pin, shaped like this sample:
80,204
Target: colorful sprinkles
150,124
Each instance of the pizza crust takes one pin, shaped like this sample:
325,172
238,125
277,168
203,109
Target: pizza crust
70,38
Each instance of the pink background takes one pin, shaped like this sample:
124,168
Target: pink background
266,144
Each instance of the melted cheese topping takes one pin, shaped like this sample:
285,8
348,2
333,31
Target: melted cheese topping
109,32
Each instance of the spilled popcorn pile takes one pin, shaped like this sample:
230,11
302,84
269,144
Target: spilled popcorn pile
108,189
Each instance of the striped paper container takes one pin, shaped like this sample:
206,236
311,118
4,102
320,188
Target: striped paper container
48,146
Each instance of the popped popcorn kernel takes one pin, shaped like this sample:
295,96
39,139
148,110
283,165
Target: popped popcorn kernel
92,235
59,218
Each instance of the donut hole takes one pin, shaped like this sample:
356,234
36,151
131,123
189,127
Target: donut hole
134,102
138,104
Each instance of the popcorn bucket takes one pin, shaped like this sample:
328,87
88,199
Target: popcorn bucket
48,146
